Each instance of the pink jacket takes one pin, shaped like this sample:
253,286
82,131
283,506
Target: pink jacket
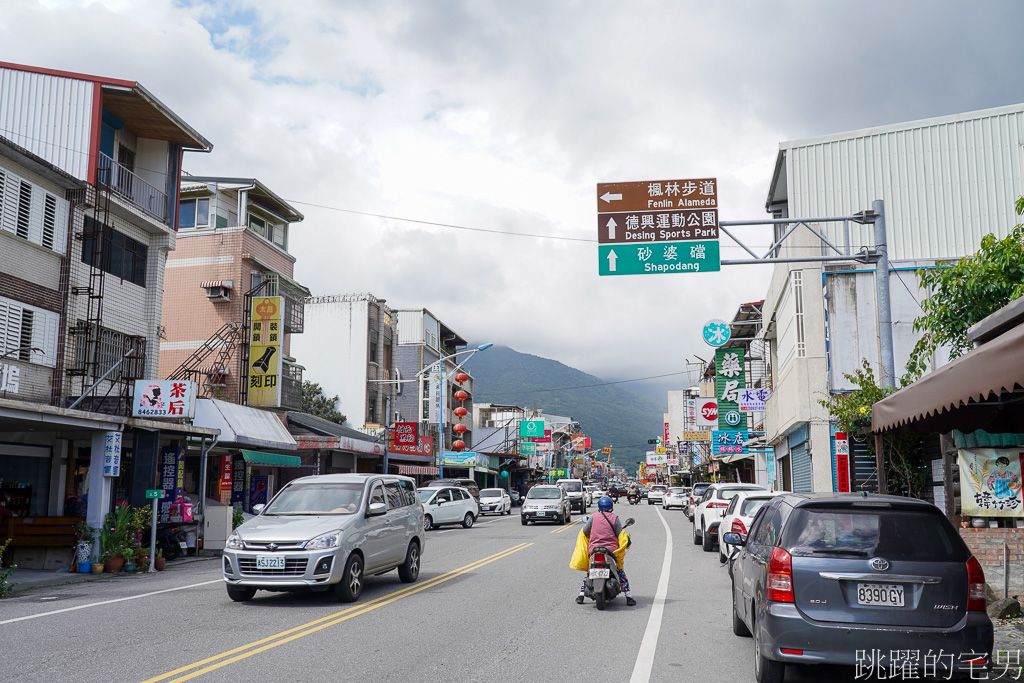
602,531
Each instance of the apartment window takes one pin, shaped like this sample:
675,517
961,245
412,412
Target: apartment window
790,318
18,216
24,328
194,213
109,350
117,254
258,225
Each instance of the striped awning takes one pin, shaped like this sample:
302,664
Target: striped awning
226,284
417,469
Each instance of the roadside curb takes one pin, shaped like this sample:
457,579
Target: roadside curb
26,582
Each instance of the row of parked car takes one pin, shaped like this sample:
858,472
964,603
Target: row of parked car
849,579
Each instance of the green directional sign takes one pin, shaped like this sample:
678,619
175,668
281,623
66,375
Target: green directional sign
658,257
530,429
154,493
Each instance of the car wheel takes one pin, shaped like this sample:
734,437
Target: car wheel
696,538
523,520
467,521
707,541
722,557
738,627
351,585
409,571
241,593
428,523
766,670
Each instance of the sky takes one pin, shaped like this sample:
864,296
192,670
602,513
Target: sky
503,116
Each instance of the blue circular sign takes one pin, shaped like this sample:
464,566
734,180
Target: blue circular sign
717,332
732,418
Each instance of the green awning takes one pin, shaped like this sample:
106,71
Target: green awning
271,459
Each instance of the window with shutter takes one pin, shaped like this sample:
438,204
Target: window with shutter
49,220
24,208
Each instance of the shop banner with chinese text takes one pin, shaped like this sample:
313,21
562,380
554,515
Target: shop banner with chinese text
991,481
265,351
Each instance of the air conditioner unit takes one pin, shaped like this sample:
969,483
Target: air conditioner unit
218,290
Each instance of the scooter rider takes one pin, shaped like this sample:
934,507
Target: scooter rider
634,491
603,529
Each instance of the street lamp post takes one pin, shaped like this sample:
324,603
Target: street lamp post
442,379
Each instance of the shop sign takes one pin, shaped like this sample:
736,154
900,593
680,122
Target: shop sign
706,412
465,459
172,480
579,442
164,399
654,458
424,446
559,474
239,471
112,454
697,436
730,379
314,442
225,473
753,399
716,332
729,441
9,376
265,351
531,429
405,433
770,467
842,463
528,448
991,482
258,486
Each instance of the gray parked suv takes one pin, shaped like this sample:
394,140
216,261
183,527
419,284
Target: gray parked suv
857,579
328,532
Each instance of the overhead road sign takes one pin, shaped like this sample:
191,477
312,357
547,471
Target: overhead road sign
657,226
659,257
651,195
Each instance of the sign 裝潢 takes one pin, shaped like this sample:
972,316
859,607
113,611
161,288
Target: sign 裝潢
659,258
753,399
730,379
706,414
112,454
171,399
531,429
652,195
990,480
265,338
10,377
657,226
405,433
716,332
699,436
527,448
842,463
729,441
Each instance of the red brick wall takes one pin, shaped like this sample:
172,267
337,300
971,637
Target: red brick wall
987,546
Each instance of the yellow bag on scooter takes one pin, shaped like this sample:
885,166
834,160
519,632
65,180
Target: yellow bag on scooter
620,554
581,558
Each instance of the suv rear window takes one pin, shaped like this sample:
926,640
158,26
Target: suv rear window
892,534
699,490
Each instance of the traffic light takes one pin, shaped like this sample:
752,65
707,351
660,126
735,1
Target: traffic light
657,440
650,441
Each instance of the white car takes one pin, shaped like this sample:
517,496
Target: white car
739,515
447,505
709,511
497,501
656,493
592,494
675,497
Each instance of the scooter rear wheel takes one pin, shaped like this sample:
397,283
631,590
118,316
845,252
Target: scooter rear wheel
599,597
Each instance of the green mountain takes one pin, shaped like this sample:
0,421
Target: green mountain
608,413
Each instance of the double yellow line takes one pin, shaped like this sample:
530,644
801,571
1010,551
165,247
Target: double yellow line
566,527
231,656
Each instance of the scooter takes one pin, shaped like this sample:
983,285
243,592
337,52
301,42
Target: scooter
602,583
171,541
633,498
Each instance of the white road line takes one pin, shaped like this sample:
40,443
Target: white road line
649,645
107,602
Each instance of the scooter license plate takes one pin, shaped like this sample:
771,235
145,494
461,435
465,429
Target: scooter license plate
183,545
599,573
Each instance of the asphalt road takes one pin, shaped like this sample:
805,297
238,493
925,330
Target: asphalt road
495,602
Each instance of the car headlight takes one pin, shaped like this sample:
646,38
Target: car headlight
234,542
328,540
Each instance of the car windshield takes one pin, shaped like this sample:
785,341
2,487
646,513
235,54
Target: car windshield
316,499
752,505
573,486
491,493
658,488
676,491
543,493
699,489
425,494
892,534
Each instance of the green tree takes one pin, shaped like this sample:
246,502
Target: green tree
964,292
316,403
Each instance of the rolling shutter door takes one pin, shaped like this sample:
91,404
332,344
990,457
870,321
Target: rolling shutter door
801,467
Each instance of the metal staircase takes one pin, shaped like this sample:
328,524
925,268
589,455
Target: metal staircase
198,367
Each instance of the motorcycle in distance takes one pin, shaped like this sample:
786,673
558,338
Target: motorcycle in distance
602,582
633,498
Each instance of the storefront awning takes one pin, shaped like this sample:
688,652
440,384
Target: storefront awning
736,457
271,459
975,391
417,469
243,425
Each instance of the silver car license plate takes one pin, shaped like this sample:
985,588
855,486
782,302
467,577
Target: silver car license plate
269,562
599,573
541,514
880,594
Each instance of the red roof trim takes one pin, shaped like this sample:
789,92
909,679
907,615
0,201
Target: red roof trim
68,74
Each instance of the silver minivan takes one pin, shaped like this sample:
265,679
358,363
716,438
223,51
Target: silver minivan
328,532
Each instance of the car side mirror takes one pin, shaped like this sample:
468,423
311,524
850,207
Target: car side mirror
258,508
376,509
733,538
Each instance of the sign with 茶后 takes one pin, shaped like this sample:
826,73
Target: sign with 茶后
265,338
658,258
174,399
531,429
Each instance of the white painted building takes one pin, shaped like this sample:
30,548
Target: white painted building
946,183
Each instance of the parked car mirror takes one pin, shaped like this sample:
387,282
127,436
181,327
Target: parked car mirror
733,538
258,508
376,509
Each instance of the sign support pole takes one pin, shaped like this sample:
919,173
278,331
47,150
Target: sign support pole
152,538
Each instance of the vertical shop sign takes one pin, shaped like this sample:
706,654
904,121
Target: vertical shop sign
265,339
112,454
770,467
226,479
258,490
842,463
172,473
239,470
730,378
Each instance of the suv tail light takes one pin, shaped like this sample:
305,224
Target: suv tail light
780,576
975,586
737,527
718,505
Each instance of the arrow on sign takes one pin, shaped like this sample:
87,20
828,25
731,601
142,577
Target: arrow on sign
611,261
611,227
609,197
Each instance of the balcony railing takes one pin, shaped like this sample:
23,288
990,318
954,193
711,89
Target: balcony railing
130,187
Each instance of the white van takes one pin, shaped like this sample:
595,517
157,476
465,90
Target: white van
577,496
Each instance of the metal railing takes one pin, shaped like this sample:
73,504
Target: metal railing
125,184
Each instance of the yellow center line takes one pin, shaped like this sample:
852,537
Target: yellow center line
330,620
565,527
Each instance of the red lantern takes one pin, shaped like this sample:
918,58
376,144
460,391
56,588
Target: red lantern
459,428
461,395
461,412
458,445
461,377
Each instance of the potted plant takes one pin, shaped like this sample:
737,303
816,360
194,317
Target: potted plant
86,539
115,537
98,566
128,554
159,562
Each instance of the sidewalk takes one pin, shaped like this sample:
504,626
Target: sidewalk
25,580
